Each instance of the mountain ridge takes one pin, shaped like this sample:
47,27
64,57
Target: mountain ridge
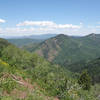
64,47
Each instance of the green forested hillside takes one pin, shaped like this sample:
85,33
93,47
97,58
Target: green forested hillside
26,76
74,53
24,41
65,50
30,47
93,68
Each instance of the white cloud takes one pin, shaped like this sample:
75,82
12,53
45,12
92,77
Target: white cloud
13,31
98,22
2,21
67,26
98,27
39,27
36,23
44,27
50,24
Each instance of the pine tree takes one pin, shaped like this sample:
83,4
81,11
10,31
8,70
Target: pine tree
85,80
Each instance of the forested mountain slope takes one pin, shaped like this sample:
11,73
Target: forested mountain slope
93,68
27,76
25,41
65,50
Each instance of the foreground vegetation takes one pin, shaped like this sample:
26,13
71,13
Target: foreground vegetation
26,76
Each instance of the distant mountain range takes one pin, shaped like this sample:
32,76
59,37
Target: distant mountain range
24,40
41,36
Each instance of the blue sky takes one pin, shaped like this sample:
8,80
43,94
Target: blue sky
27,17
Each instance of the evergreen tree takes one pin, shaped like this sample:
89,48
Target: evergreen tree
85,80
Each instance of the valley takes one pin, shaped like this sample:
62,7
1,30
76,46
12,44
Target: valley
43,80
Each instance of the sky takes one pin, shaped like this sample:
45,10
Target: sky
29,17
